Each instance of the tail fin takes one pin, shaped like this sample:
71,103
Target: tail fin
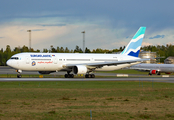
133,48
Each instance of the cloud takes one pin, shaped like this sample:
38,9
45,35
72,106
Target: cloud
170,43
157,36
146,44
38,29
44,25
17,35
60,23
69,36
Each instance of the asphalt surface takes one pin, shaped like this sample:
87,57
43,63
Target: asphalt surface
9,70
168,80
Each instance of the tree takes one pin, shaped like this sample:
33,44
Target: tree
121,49
7,54
62,50
66,50
53,50
87,50
45,50
25,49
78,49
17,50
58,49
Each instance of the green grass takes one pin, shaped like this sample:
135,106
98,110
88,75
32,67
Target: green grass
30,76
108,100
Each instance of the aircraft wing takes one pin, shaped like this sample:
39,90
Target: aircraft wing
101,64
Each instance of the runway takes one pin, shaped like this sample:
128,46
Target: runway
142,77
167,80
9,70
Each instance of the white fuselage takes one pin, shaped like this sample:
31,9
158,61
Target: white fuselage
57,61
163,68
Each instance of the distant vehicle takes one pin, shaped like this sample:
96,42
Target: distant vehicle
79,63
154,68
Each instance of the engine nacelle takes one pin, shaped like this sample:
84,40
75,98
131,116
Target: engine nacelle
80,69
153,72
45,72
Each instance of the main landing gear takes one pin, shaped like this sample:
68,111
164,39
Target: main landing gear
68,75
89,76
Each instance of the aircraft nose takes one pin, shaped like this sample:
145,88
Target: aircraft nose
8,62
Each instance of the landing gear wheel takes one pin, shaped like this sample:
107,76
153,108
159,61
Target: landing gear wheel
89,76
66,75
92,76
158,73
19,75
72,75
69,75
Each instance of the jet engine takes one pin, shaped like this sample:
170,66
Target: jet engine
80,69
45,72
153,71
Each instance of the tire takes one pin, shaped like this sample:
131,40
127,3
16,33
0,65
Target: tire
72,75
158,73
19,76
92,76
87,76
66,75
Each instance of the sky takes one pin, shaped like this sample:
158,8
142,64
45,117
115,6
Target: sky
108,24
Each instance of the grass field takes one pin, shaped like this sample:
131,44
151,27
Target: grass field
108,100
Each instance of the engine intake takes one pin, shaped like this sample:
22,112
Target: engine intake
153,71
80,69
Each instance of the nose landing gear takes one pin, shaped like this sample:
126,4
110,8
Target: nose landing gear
19,73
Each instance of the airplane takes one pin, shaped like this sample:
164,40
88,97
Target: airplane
79,63
154,68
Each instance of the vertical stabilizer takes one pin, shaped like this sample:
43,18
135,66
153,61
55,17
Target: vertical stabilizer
133,48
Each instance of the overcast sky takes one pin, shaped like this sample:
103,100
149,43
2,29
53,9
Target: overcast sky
108,24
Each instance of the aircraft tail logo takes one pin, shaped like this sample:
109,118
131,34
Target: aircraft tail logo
133,48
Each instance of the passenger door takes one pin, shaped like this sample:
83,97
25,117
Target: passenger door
27,60
55,60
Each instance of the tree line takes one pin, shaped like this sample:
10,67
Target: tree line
162,51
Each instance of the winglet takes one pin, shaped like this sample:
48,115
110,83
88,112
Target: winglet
133,48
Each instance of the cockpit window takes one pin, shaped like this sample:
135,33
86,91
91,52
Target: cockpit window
16,58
